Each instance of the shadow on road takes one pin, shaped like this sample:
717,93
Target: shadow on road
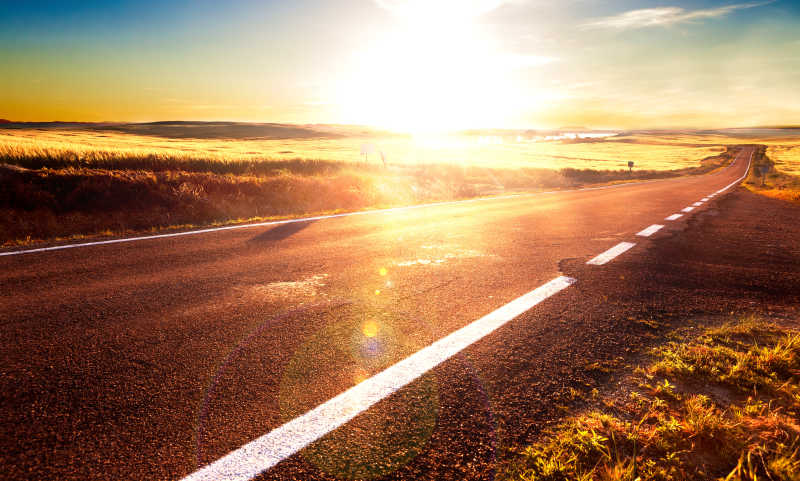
281,232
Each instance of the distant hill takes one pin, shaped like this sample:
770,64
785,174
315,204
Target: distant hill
179,129
220,130
5,121
778,127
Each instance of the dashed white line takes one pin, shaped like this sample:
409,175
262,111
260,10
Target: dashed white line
611,253
321,217
650,230
333,216
268,450
265,452
687,209
674,217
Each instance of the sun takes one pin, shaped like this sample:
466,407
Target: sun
437,70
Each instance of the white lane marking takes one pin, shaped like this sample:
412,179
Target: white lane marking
624,246
704,199
746,171
611,253
348,214
650,230
320,217
249,226
265,452
333,216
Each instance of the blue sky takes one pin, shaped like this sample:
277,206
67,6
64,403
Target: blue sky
401,63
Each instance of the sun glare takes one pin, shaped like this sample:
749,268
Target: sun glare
437,70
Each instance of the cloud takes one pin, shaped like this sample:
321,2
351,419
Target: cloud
665,16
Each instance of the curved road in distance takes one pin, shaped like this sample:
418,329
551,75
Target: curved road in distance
151,359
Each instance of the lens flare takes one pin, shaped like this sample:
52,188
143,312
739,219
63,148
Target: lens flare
345,354
360,375
370,329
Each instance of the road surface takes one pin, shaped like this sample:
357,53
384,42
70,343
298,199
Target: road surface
156,358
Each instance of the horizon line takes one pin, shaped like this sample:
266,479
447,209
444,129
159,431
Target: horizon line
4,121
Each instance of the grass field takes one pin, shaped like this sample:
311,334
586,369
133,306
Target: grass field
68,180
786,157
48,147
722,405
776,172
783,150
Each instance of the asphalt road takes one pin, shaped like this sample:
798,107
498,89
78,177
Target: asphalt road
150,359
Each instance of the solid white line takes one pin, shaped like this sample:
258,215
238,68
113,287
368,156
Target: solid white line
265,452
697,204
674,217
347,214
331,216
746,171
315,218
720,191
611,253
249,226
704,199
650,230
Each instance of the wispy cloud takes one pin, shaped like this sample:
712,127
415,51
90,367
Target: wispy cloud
665,16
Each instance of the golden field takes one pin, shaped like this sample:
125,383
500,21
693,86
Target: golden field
786,156
66,180
493,151
782,165
784,151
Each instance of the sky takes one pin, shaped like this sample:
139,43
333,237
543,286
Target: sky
404,64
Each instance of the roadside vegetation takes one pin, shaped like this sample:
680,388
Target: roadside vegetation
64,184
786,157
724,405
777,179
248,143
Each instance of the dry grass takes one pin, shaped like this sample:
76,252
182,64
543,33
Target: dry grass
723,406
64,182
777,182
780,151
786,157
37,148
49,203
